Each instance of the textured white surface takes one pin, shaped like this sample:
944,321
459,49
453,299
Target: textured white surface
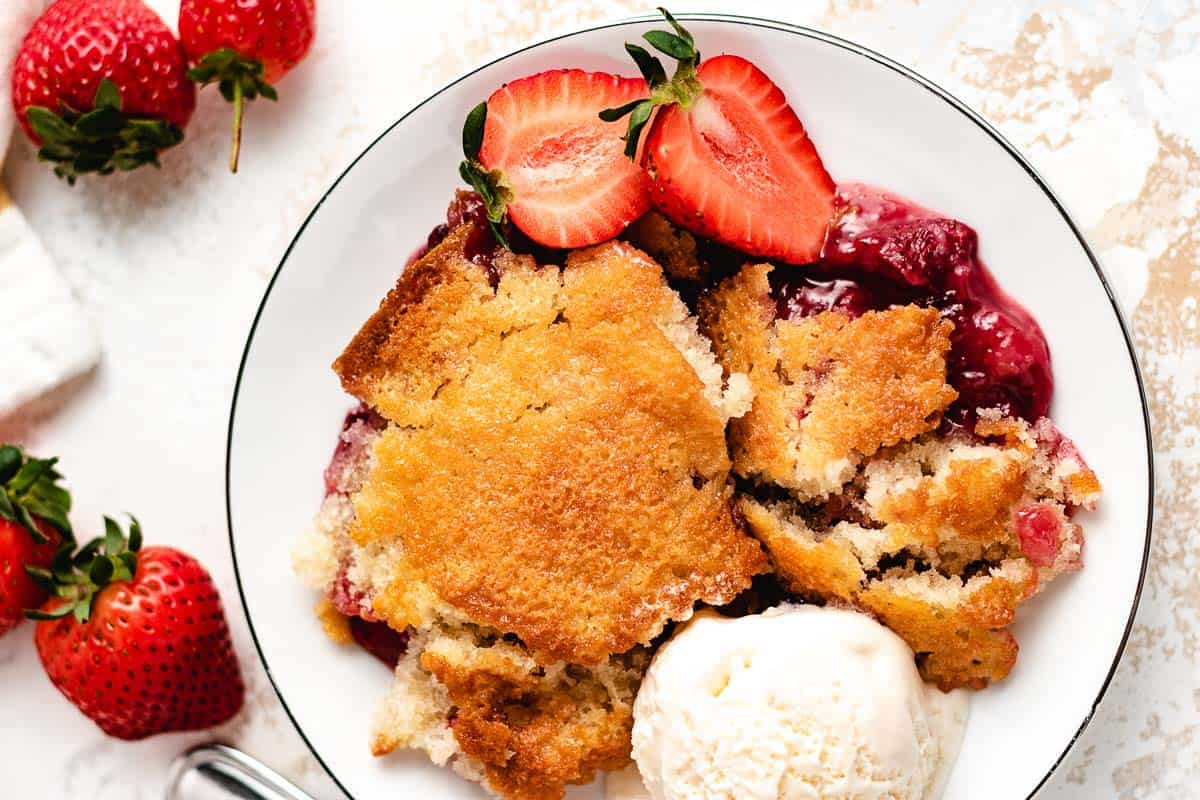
1102,96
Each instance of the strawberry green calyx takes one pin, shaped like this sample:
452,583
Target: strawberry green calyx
102,140
77,577
492,185
681,89
29,489
240,81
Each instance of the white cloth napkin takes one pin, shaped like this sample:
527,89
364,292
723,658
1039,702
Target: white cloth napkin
48,338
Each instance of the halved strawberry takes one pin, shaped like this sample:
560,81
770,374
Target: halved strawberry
544,156
728,156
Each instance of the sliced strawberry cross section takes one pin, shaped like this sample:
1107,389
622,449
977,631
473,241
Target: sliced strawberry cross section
728,157
547,158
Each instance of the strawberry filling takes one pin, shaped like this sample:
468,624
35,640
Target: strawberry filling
371,634
357,428
883,252
342,477
1038,526
379,640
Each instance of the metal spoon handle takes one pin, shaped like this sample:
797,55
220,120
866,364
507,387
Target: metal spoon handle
231,772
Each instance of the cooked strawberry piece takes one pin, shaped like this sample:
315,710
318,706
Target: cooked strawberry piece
357,430
739,167
379,640
999,362
898,253
921,252
804,295
347,598
1038,527
571,184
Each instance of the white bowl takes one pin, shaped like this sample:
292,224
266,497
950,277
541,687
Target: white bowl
874,121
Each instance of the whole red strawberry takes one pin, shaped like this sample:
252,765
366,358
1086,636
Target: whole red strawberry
33,522
101,85
245,46
138,641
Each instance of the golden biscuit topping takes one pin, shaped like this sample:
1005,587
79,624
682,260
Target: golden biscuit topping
554,468
830,391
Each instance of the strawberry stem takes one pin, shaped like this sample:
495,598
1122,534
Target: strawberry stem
239,106
680,89
76,577
240,80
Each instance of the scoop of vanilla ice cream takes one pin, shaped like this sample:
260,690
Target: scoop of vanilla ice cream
796,702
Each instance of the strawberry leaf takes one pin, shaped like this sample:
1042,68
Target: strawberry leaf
650,67
491,185
114,540
637,121
680,31
135,536
126,566
102,140
108,96
29,491
103,123
29,473
239,80
49,126
77,576
614,114
50,511
87,552
63,566
101,571
58,612
10,462
670,44
231,72
472,135
129,565
42,577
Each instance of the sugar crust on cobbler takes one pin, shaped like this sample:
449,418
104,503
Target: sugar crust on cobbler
554,466
829,390
522,729
540,485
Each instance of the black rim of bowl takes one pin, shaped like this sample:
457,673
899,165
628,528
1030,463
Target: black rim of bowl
753,22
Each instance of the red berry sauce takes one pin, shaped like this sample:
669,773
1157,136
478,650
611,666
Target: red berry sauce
379,640
883,251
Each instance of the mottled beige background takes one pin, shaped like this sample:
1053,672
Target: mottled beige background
1104,97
